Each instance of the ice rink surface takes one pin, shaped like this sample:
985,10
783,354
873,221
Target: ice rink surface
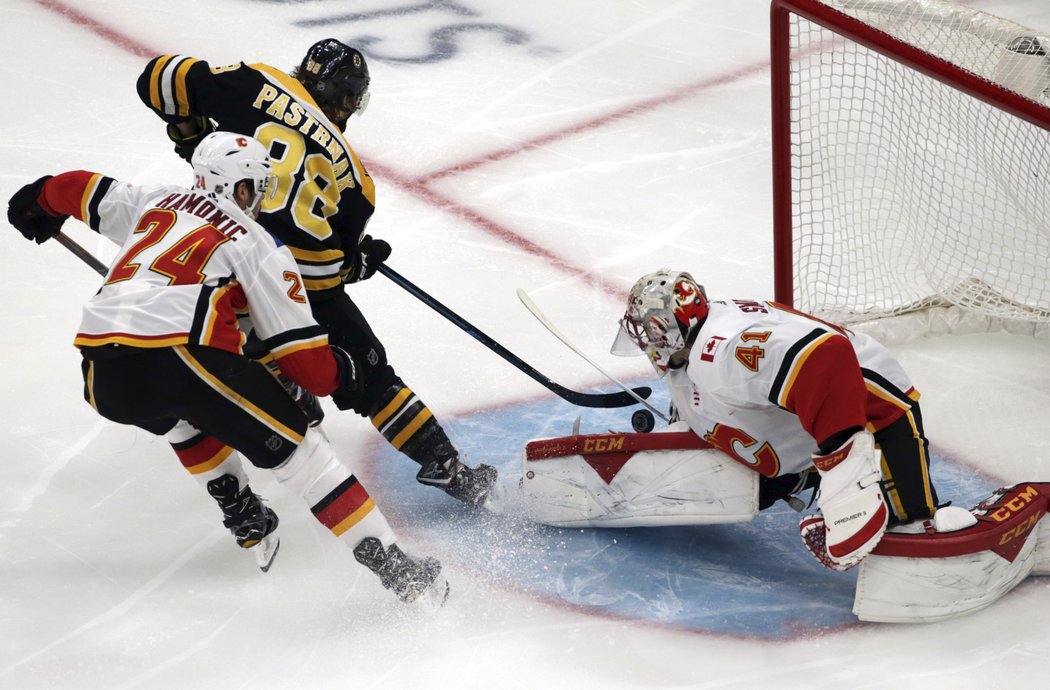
564,148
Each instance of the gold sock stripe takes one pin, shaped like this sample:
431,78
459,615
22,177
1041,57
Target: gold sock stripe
392,407
409,431
354,517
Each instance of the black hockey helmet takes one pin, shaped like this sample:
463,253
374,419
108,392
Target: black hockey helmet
336,75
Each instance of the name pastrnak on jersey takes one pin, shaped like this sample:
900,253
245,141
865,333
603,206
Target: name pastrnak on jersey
188,263
323,197
766,384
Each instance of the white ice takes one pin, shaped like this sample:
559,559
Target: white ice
115,571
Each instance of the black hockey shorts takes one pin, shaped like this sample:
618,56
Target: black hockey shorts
906,468
348,328
227,396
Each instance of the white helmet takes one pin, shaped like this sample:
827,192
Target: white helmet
223,159
662,309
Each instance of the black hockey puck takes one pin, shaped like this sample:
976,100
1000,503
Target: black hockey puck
643,421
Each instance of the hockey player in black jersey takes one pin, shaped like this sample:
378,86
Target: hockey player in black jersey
319,208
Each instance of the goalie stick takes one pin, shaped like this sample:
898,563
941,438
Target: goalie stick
625,399
531,306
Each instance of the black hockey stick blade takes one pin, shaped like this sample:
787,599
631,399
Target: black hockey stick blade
619,399
82,254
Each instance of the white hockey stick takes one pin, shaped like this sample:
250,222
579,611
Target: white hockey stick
531,306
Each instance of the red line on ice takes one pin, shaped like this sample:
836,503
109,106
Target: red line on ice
420,186
112,35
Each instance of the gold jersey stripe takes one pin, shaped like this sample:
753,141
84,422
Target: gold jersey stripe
324,256
180,86
134,341
154,81
300,345
85,199
326,284
796,367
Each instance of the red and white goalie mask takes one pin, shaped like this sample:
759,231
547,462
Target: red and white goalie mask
662,309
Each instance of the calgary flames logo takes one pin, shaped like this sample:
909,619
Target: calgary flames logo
690,305
242,142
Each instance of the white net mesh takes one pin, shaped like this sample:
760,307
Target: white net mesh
907,192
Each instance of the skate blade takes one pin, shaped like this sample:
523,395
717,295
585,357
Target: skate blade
265,551
433,597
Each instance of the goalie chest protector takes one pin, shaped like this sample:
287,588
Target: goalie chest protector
635,480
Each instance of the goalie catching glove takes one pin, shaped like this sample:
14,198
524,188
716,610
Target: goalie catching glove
853,512
29,217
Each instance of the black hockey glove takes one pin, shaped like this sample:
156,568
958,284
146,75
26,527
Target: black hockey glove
29,218
186,144
370,253
348,394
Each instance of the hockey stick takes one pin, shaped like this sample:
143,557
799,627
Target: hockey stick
576,398
531,306
82,254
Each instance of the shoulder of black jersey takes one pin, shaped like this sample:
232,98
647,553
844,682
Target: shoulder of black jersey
164,85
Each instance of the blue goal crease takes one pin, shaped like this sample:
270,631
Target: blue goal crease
750,579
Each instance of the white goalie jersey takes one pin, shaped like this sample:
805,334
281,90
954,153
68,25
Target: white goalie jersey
764,384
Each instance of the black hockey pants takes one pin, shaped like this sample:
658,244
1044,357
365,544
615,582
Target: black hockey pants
227,396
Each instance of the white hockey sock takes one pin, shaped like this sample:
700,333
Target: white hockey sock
203,456
335,496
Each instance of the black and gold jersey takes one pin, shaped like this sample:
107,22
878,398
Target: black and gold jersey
323,197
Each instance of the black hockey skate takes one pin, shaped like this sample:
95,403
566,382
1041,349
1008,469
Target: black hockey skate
250,522
471,485
411,579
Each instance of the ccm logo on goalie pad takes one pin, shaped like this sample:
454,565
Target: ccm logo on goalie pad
1004,522
608,453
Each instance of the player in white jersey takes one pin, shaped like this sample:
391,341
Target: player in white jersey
785,393
162,347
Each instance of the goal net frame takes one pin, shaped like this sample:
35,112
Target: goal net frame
785,54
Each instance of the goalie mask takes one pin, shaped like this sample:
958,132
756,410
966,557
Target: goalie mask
336,75
223,159
662,310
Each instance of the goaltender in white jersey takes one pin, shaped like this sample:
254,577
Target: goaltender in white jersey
784,393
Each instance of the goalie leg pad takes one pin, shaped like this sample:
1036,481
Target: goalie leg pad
635,480
935,575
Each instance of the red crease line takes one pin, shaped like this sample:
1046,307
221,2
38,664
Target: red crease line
112,35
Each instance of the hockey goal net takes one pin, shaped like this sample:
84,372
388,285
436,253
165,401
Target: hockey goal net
911,156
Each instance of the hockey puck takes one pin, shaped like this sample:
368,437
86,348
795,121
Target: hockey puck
643,421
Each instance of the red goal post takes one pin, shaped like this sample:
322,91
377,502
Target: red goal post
911,160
